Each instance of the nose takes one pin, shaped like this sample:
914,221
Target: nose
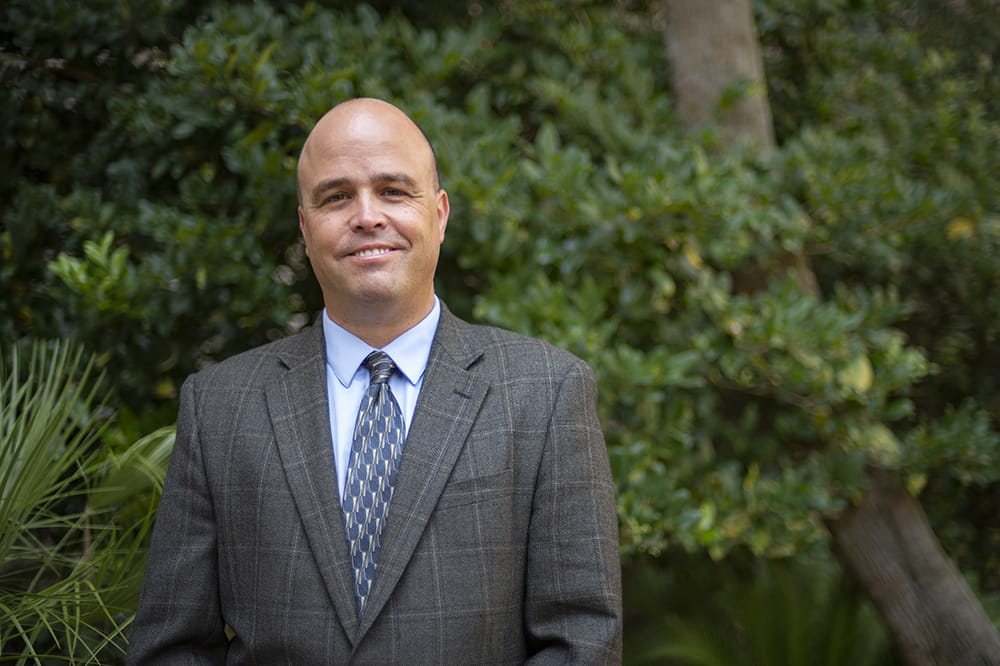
368,213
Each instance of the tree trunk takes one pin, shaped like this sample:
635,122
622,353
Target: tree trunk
885,541
930,612
713,49
716,67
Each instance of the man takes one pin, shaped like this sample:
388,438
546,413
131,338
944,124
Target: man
491,538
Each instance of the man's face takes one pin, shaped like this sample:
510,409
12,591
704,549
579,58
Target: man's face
372,216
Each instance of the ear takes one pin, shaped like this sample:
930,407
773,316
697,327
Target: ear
302,228
443,208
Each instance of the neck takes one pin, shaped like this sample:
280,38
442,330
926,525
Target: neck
378,326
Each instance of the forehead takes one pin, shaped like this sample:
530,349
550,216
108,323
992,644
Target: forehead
359,144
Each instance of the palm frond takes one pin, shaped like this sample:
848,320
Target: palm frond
75,515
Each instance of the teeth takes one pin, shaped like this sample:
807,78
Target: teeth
372,253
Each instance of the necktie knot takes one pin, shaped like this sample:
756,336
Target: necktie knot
380,366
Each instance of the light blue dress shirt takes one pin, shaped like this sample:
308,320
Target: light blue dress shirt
346,379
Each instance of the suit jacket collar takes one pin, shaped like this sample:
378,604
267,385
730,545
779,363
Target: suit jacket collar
446,409
301,426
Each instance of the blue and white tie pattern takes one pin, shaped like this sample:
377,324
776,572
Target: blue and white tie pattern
378,442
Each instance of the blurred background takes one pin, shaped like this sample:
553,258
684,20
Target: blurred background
771,227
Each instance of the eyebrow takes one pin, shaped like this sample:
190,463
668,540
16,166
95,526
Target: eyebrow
333,183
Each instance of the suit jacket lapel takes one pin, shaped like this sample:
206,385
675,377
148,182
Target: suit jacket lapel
297,403
449,401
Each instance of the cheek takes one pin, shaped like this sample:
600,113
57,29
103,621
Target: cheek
321,235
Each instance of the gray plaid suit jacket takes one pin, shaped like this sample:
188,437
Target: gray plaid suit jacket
501,545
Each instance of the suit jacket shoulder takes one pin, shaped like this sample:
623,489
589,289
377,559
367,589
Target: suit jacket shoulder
255,366
458,339
502,352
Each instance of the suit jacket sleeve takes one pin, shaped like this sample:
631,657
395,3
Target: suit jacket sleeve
573,587
179,619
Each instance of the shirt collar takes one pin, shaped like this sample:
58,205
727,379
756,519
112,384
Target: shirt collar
410,351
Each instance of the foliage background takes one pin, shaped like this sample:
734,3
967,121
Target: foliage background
147,212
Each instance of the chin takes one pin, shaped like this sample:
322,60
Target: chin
379,298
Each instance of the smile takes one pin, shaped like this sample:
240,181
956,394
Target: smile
373,253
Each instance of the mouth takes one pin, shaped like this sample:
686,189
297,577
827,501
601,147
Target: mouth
372,252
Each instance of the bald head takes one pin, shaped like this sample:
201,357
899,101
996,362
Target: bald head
364,115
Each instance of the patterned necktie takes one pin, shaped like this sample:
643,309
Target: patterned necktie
378,442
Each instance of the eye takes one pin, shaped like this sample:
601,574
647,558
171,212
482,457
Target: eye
394,193
336,197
